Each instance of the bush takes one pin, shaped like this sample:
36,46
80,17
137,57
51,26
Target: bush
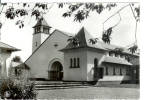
17,90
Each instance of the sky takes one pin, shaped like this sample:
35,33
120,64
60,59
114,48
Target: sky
123,34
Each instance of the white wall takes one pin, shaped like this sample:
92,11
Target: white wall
40,60
91,55
75,74
39,38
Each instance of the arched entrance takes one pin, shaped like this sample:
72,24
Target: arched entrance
56,71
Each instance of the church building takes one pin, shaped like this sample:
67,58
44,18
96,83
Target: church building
63,56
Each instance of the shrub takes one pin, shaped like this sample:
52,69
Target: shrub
15,89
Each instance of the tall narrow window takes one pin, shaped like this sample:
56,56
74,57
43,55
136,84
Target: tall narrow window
78,62
106,70
36,44
95,62
114,71
127,71
71,61
74,62
38,29
120,71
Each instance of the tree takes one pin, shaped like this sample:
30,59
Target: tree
16,59
74,41
79,12
93,41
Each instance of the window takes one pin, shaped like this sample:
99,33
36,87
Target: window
78,62
110,53
106,70
71,61
114,73
37,29
127,71
36,44
74,63
95,62
120,71
45,30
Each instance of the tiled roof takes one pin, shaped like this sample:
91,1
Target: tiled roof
116,60
41,22
8,47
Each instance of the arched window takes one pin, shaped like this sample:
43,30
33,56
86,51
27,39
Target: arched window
95,62
71,61
74,62
78,62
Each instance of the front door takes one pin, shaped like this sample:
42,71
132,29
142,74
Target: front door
56,72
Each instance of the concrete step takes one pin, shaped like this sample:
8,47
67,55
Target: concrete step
58,84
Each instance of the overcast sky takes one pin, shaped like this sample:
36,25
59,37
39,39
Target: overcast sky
123,34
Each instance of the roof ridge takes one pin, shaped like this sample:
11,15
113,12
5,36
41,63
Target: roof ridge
43,43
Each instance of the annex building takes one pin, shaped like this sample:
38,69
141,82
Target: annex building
55,58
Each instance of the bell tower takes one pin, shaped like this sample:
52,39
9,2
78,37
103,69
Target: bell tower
41,32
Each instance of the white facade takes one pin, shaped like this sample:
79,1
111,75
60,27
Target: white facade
38,39
41,60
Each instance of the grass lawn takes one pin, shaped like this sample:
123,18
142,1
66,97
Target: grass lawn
90,93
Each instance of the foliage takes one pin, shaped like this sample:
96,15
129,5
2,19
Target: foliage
10,13
107,35
74,41
79,12
36,13
86,8
12,90
93,41
133,49
16,59
20,23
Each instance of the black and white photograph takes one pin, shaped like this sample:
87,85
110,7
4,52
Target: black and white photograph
70,50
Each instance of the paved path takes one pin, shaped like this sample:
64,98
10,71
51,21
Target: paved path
90,93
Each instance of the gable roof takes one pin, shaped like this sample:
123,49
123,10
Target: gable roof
8,47
42,22
65,33
84,37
